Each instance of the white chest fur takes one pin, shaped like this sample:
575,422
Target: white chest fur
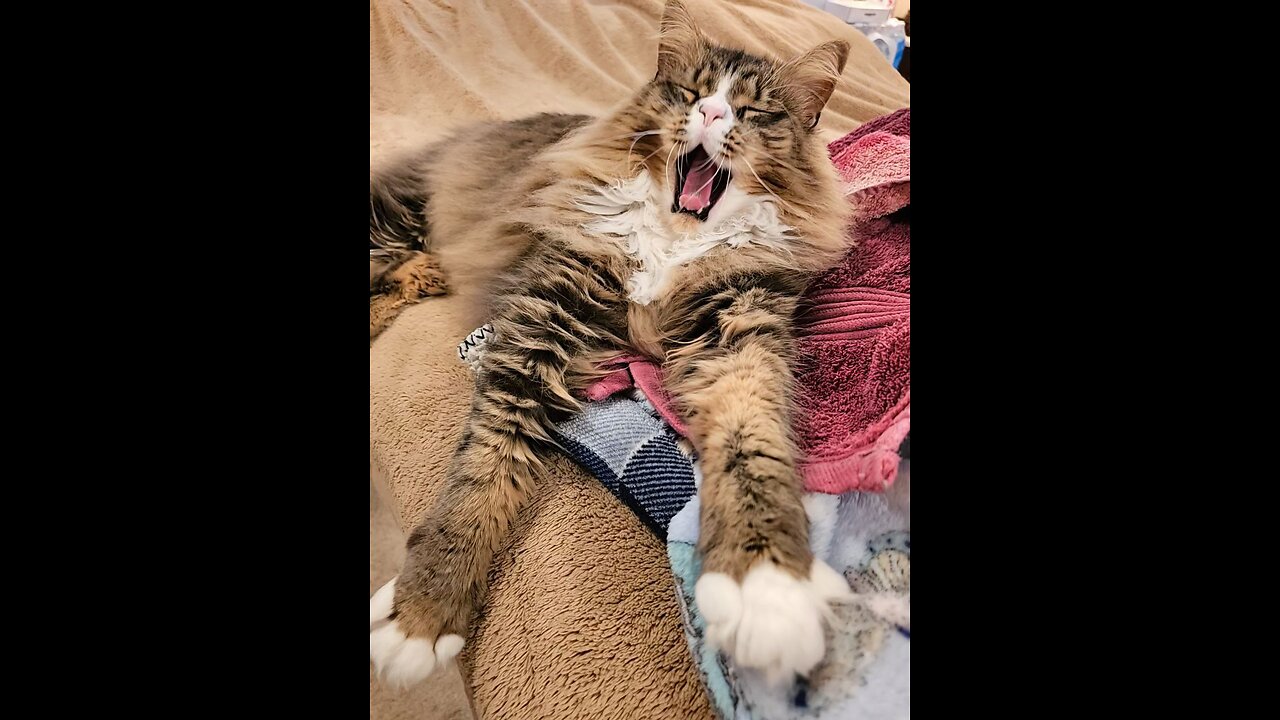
634,213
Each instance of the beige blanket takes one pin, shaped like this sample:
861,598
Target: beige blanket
582,619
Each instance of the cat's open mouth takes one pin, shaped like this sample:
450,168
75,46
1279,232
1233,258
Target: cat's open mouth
699,183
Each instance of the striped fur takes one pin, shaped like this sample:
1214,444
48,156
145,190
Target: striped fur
497,210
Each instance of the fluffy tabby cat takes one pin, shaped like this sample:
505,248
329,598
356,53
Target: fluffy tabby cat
684,225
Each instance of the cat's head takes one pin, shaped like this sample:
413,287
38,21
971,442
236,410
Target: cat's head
727,128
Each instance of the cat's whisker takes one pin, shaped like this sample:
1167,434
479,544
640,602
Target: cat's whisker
635,136
773,157
639,137
785,204
641,133
780,161
646,157
669,166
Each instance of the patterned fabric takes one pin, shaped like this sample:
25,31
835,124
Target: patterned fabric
625,444
867,670
469,348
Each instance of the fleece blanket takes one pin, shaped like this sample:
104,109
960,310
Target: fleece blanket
857,334
581,619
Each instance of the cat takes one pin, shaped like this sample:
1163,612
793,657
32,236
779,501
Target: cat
683,225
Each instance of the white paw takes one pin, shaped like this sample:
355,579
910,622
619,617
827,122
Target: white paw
773,622
399,659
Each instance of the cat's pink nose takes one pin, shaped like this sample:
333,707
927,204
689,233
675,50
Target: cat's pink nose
711,112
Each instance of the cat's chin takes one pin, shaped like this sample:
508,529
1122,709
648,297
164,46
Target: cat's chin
684,222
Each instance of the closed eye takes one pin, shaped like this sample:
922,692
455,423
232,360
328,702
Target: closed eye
756,113
689,95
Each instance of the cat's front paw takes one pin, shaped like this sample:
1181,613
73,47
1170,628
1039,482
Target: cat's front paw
397,657
771,621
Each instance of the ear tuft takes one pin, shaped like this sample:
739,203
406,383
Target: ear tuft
679,40
812,77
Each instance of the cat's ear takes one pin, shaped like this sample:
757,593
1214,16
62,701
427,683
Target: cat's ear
679,40
811,78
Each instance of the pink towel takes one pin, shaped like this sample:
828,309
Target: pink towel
854,409
854,380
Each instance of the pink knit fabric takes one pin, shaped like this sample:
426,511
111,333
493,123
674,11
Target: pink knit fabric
854,338
637,371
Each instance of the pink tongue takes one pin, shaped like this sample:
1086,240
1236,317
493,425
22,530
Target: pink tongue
696,193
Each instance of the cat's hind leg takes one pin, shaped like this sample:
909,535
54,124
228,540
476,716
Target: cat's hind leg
401,270
409,278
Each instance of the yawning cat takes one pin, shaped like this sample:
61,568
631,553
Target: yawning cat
683,225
